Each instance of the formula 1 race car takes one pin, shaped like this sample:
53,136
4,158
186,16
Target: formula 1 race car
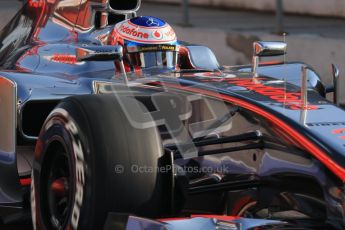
109,122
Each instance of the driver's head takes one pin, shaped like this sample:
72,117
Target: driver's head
148,43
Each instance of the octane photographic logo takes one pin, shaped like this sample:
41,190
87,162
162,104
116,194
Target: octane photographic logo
172,111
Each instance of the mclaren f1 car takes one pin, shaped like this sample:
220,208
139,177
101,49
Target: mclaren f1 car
90,142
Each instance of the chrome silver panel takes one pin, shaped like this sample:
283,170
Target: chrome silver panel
8,116
269,49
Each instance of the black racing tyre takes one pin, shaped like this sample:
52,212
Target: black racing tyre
83,166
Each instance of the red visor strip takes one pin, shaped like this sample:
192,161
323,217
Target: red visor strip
311,147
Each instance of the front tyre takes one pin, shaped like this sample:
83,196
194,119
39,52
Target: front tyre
83,167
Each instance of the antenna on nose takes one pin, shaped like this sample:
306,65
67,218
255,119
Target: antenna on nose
304,87
284,62
284,40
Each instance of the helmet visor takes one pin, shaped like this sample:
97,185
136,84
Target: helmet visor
161,56
154,59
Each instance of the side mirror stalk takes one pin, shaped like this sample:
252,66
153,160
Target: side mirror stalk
256,62
123,72
103,53
266,49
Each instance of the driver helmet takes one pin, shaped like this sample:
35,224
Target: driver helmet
148,42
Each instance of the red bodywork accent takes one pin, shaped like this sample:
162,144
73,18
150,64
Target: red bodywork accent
173,219
300,106
271,63
36,3
286,137
290,99
25,181
338,131
308,145
65,58
240,204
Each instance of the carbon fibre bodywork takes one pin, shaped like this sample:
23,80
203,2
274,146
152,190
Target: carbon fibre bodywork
300,162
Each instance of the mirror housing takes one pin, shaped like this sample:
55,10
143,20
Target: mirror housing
124,7
100,53
269,49
266,49
103,53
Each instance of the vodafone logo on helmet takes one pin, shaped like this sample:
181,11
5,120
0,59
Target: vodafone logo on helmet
146,35
133,32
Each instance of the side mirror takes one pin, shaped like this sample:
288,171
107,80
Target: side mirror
103,53
269,49
266,49
100,53
124,7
